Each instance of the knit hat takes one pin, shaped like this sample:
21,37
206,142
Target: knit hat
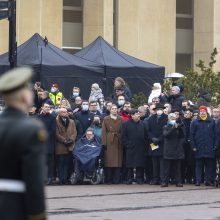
203,108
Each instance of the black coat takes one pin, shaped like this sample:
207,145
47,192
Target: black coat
176,100
134,138
155,130
173,142
49,121
22,158
85,118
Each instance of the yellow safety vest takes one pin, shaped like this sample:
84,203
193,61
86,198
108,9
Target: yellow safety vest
56,99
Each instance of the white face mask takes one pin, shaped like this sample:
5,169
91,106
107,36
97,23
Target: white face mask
121,102
172,122
159,112
75,94
53,90
85,107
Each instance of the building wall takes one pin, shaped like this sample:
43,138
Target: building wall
35,16
147,30
206,30
97,20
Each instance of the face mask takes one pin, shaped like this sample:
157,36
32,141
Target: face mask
96,123
172,122
121,102
75,94
85,107
53,90
159,112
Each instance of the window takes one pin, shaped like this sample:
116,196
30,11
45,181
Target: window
183,61
73,3
184,7
72,25
184,23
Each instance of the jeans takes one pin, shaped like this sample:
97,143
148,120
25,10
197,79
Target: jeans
62,167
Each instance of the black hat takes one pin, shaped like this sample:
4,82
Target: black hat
159,106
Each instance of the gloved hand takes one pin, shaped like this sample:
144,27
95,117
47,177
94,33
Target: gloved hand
68,142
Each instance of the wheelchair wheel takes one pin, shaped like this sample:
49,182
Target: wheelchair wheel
73,178
96,179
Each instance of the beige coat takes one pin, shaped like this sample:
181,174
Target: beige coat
62,133
111,137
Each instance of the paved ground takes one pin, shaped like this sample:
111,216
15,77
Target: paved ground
125,202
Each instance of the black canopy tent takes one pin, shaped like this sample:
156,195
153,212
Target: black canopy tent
53,65
139,75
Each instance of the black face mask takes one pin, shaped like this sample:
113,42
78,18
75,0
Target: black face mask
96,123
184,108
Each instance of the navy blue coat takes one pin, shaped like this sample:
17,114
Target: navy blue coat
203,136
85,118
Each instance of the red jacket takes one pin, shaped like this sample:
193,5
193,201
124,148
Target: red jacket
125,116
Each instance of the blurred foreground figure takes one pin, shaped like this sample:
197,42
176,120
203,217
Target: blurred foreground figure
22,157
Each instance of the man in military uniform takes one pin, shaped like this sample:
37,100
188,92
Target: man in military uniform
22,157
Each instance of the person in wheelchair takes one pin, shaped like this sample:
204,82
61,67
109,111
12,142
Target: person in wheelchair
88,159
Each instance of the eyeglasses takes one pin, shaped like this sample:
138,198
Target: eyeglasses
93,105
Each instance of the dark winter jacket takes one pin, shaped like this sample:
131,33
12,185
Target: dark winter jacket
203,136
173,142
135,139
47,100
176,100
85,118
155,130
49,121
204,99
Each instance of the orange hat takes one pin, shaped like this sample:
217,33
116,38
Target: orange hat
203,108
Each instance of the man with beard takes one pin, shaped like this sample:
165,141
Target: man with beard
125,111
134,137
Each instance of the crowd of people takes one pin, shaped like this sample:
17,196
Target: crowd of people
168,140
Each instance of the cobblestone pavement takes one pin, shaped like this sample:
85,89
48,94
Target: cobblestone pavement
110,202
